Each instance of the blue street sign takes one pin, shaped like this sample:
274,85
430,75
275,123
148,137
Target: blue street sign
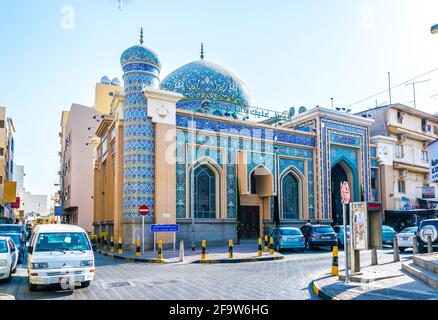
58,210
164,228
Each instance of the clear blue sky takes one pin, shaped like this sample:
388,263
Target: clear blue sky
289,52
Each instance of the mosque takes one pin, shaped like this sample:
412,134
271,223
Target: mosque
194,150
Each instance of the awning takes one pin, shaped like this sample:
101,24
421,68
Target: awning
412,212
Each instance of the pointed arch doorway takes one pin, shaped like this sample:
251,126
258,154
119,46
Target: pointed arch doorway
340,172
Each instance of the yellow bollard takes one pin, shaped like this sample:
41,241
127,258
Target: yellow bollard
203,253
265,249
160,250
335,267
112,244
271,246
120,247
259,252
137,249
105,247
230,249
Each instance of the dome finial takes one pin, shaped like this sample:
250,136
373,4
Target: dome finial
141,35
202,51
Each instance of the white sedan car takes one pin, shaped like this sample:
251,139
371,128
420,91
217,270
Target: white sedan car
8,258
405,238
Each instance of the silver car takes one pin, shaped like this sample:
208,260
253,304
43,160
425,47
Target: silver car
405,238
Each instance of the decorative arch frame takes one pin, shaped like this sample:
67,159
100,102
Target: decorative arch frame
219,175
302,191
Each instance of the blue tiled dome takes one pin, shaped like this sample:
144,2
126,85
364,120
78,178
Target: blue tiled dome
205,80
140,54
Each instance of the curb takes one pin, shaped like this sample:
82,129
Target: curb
211,261
143,260
5,296
240,260
321,293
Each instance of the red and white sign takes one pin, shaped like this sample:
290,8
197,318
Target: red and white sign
143,210
345,192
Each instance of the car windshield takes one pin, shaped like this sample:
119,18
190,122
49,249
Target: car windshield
387,228
3,246
409,230
324,229
290,232
10,228
74,241
14,237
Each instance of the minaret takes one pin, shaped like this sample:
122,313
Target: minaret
141,68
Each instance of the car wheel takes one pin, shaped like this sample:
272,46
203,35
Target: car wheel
402,249
278,248
32,287
85,284
15,269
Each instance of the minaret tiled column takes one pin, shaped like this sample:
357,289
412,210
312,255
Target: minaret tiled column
141,68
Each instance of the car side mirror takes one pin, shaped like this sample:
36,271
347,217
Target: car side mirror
29,249
13,249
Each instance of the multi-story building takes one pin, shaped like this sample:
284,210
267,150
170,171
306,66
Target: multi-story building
401,135
19,178
35,204
7,131
78,126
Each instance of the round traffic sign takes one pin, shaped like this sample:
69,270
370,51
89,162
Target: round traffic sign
143,210
345,192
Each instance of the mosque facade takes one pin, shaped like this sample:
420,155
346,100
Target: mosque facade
194,150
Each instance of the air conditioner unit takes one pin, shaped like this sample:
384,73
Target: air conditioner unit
401,138
404,173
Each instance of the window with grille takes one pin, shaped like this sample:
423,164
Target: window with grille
2,151
399,151
401,186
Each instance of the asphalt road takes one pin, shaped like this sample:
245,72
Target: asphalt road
287,279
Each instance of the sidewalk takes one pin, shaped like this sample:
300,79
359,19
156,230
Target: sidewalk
382,282
214,254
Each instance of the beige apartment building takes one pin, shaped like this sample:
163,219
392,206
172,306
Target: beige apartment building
402,135
7,131
78,126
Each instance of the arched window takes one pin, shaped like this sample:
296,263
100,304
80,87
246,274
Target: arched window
205,193
290,194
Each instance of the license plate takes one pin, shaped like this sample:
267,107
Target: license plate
405,238
325,238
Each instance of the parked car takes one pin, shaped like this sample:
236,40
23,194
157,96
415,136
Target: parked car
405,238
59,253
319,236
288,238
427,228
339,229
19,242
8,258
12,228
388,234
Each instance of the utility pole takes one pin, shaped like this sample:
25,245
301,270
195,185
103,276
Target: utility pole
332,102
389,87
413,89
